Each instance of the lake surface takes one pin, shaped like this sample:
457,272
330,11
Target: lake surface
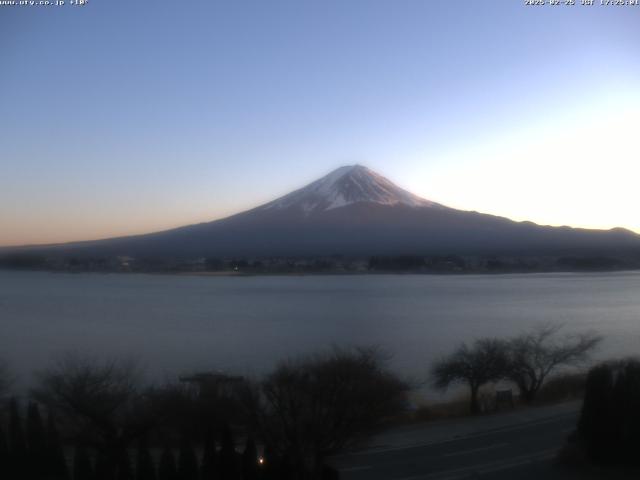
176,324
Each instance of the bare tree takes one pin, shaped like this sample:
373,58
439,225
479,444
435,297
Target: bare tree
99,401
6,379
534,355
484,361
320,405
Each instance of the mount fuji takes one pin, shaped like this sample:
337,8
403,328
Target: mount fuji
355,211
346,186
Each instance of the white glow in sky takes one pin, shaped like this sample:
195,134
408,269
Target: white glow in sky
578,168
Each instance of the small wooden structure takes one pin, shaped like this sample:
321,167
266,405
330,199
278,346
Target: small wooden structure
504,398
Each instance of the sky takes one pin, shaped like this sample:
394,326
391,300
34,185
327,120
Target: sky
124,117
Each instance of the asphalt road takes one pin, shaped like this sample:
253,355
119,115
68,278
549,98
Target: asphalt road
521,451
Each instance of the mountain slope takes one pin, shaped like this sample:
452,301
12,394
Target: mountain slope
355,211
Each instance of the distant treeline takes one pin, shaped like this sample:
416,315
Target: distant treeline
329,264
23,261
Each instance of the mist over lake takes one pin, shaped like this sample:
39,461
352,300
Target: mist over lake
175,324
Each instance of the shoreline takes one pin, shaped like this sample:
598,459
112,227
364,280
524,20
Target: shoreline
214,273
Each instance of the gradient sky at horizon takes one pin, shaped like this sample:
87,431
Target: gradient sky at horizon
127,117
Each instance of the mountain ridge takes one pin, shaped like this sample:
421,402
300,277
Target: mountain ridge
353,211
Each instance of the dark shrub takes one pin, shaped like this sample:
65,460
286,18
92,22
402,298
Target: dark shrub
228,458
563,387
167,469
609,425
82,468
145,468
208,468
250,461
187,461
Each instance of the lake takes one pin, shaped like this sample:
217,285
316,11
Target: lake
178,323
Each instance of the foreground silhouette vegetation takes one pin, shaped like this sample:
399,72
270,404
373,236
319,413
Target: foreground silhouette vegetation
102,422
609,424
113,427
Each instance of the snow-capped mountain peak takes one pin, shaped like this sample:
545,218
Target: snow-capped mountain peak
345,186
